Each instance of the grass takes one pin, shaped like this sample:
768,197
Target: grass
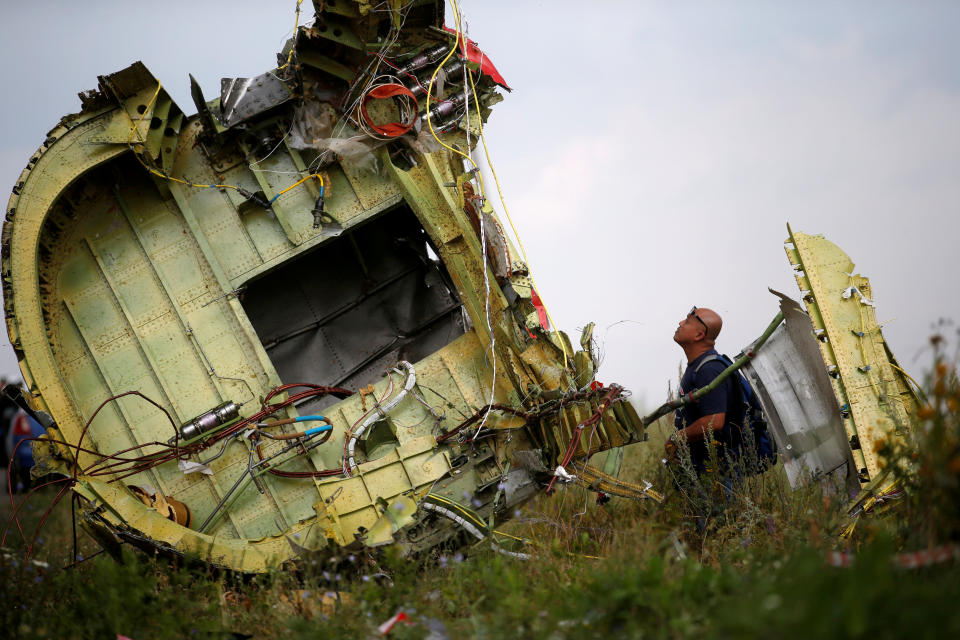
625,569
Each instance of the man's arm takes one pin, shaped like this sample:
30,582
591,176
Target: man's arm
696,432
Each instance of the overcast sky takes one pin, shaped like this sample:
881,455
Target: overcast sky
651,154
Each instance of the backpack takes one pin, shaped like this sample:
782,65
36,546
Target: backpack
753,416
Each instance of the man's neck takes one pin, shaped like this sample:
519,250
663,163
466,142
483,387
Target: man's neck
694,351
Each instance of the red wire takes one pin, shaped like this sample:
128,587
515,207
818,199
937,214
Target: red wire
613,393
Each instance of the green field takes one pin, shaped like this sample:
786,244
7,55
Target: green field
690,567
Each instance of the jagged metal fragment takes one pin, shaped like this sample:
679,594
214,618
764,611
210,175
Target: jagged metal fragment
794,389
871,388
244,98
156,265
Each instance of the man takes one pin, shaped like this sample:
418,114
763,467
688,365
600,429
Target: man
717,416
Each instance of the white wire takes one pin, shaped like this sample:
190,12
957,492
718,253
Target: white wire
483,249
375,63
405,106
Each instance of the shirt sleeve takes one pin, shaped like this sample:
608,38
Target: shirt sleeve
717,400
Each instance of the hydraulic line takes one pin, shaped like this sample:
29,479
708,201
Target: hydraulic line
380,411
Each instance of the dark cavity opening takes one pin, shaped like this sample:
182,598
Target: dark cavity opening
348,311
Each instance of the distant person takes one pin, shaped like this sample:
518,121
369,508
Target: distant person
7,411
21,461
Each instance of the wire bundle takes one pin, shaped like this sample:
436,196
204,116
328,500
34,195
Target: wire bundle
385,87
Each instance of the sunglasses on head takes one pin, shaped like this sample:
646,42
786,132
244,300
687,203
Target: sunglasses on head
693,312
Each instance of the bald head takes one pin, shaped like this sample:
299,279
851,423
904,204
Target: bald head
698,331
713,322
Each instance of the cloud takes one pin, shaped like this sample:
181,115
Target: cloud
680,192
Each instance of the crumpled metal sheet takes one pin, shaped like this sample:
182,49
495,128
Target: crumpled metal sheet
794,389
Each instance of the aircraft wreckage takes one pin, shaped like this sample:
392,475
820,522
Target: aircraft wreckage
292,322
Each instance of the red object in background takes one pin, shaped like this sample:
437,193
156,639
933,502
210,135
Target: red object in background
475,55
596,385
541,310
21,426
387,626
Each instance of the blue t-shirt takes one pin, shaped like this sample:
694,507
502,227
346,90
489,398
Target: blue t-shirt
724,399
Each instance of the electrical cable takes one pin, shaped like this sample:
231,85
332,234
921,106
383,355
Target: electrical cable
134,128
503,202
293,45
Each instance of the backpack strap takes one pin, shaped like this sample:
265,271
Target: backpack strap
746,391
709,358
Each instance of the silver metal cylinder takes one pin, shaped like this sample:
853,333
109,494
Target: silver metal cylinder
212,419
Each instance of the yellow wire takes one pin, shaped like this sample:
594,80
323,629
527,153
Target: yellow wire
135,128
461,508
300,182
433,78
486,152
296,25
915,384
136,124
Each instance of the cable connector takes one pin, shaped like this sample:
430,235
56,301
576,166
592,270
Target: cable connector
443,108
425,58
318,212
253,197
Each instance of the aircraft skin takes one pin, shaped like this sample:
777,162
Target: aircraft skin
291,323
179,289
